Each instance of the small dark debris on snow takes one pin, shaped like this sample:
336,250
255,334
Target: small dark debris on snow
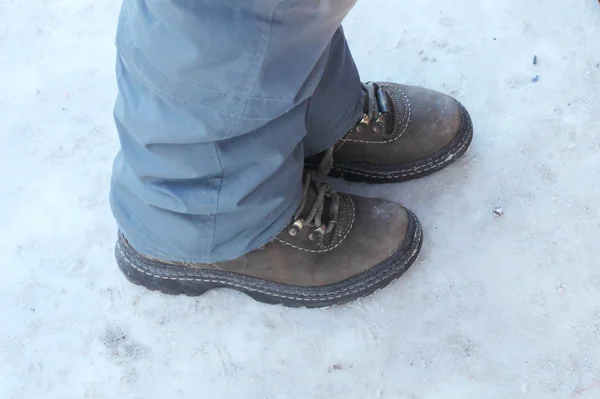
535,79
535,60
337,366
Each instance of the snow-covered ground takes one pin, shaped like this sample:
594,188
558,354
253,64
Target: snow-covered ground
497,307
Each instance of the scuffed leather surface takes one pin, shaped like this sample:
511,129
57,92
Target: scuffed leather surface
425,121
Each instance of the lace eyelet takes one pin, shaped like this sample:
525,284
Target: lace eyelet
320,232
296,227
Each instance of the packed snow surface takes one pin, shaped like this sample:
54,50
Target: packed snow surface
498,306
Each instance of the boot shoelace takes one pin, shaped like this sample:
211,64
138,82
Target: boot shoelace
316,212
377,108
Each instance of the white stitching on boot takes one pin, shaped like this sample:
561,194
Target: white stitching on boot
307,298
419,169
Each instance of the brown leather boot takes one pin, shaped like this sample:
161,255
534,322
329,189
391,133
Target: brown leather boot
337,248
407,132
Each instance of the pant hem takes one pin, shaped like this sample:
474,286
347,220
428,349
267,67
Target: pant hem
143,247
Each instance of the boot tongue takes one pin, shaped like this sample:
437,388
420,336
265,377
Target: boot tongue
384,101
387,109
377,101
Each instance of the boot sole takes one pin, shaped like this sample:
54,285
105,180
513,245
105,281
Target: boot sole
369,173
176,280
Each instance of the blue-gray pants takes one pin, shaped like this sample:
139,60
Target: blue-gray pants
219,103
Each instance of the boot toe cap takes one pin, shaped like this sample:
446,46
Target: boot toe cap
380,229
428,120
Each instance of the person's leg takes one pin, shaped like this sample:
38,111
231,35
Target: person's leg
338,101
215,98
211,115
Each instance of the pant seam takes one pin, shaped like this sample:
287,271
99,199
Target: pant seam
214,218
267,41
258,66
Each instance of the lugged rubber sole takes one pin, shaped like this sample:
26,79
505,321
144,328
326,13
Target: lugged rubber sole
369,173
176,279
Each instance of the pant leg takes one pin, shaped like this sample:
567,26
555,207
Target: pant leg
211,115
338,101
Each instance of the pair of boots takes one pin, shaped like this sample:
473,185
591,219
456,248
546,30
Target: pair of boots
337,247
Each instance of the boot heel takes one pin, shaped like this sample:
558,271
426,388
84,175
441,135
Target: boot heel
154,282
